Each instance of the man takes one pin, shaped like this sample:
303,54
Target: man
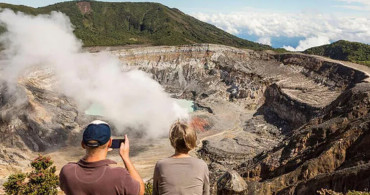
92,174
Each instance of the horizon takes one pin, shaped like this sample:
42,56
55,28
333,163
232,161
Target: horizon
288,24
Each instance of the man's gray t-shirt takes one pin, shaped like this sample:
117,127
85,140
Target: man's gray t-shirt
87,178
181,176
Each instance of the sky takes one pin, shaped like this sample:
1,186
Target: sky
292,24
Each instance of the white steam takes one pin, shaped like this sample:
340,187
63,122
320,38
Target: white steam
129,99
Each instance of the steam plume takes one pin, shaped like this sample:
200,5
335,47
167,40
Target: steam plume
129,99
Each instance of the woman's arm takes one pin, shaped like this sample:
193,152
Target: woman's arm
155,180
206,181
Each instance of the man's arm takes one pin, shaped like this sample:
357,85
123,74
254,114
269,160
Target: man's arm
125,155
61,180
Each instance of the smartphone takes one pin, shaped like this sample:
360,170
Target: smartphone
116,143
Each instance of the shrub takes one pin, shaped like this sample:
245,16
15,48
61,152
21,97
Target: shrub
41,180
15,184
148,188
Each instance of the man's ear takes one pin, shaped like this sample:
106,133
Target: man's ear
83,145
110,143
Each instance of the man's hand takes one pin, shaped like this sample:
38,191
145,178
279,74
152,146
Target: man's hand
124,149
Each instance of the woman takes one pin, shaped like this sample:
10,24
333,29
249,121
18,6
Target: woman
181,173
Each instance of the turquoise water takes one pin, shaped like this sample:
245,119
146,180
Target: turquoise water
97,110
186,104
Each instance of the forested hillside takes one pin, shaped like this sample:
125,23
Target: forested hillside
344,50
104,23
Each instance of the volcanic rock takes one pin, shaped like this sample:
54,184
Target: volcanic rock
231,183
298,123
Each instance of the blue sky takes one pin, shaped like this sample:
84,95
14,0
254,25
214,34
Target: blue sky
292,24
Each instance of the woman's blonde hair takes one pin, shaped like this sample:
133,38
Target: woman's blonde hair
183,138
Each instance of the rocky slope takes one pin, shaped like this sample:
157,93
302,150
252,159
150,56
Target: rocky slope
34,118
328,152
300,128
296,123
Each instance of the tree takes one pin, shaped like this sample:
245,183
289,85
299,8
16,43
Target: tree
41,180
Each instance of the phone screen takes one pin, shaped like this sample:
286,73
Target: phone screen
116,143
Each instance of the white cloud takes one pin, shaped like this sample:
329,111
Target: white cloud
226,25
308,43
264,40
316,28
360,5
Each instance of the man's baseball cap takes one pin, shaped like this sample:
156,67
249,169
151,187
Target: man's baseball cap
98,131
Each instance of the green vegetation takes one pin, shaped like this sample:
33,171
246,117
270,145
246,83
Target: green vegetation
148,188
344,50
42,180
105,23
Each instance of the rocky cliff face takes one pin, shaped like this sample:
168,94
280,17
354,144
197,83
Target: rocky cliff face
319,154
287,144
34,118
296,122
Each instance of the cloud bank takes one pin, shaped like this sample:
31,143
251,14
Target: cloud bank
359,5
128,99
318,29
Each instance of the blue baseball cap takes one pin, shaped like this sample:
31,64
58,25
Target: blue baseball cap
98,131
